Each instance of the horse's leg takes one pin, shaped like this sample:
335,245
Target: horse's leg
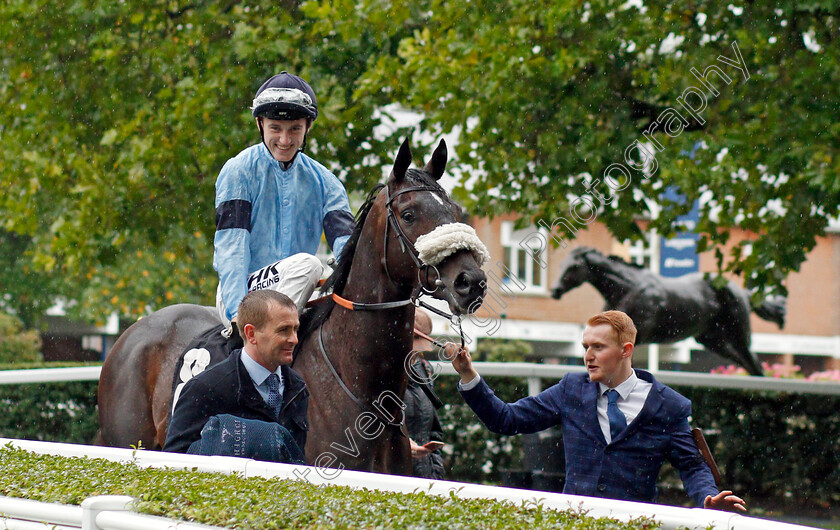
163,375
322,414
734,322
135,387
728,343
400,452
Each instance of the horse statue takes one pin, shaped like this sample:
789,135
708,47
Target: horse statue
671,309
352,347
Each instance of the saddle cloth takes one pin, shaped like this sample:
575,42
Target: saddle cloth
205,350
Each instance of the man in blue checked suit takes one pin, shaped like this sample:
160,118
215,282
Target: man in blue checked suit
619,424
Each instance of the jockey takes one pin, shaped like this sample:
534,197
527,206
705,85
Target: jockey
273,202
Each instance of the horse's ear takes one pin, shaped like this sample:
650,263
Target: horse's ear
403,161
437,164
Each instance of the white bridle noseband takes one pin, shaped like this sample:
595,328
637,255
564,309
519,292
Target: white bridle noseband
445,240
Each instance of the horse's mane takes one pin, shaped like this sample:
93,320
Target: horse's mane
619,259
312,318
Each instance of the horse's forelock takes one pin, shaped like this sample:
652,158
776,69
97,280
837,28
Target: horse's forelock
420,177
312,318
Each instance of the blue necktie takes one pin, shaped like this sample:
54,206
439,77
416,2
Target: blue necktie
617,419
274,398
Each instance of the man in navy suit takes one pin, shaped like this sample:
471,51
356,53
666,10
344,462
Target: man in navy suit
619,424
252,404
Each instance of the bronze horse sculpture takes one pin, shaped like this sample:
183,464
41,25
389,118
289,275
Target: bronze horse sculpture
671,309
351,354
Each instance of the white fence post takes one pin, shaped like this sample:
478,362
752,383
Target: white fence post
534,385
92,506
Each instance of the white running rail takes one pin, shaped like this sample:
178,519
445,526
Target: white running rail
533,372
670,517
103,512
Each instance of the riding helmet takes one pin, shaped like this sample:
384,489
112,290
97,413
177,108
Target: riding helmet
285,96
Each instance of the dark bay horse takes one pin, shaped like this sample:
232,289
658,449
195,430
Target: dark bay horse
352,360
672,309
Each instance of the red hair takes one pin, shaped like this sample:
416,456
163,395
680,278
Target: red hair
625,329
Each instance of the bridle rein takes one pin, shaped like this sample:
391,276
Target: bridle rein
407,247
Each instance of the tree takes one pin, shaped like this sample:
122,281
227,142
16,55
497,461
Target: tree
560,108
118,116
16,344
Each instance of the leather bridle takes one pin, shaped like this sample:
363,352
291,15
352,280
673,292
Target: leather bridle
407,247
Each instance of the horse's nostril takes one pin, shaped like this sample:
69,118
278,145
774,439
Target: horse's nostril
470,283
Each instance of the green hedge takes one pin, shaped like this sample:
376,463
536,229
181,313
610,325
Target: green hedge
55,412
234,501
781,452
18,345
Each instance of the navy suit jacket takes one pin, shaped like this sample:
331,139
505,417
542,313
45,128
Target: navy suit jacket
629,466
227,388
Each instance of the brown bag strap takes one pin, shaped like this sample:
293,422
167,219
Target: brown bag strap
700,440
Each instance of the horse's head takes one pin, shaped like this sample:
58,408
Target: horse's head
574,270
425,239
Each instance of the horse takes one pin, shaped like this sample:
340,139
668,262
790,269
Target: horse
352,348
671,309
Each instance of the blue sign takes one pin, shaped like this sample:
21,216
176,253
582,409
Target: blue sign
678,255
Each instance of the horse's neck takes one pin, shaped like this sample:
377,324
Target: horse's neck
612,280
371,346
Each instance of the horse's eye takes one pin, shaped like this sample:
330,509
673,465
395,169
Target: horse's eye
407,216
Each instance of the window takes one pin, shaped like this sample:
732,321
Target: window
525,257
644,253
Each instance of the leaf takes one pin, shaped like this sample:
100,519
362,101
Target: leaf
109,137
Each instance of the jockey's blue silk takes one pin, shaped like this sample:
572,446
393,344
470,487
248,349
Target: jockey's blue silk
265,213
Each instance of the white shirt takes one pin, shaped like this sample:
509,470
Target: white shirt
469,386
633,393
259,375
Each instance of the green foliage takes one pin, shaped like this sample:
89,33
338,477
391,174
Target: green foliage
17,345
54,412
472,453
118,116
781,452
502,350
547,95
778,451
229,500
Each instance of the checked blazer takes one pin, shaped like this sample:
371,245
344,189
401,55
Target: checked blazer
625,469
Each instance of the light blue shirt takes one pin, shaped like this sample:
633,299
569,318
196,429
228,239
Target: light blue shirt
633,393
259,375
265,213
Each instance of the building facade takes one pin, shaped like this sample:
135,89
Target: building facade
519,305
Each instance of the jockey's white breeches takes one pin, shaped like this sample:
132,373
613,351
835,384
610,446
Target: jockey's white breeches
296,277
